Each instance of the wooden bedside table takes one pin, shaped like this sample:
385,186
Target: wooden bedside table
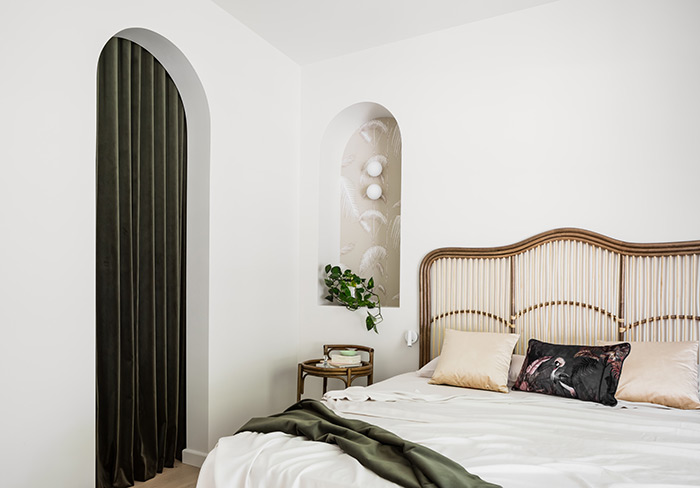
347,375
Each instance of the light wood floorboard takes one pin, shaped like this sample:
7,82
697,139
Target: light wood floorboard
179,476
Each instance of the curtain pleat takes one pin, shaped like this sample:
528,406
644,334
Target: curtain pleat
141,222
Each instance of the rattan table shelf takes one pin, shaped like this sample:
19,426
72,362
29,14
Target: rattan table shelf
347,375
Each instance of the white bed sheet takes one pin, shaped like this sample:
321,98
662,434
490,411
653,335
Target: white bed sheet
517,440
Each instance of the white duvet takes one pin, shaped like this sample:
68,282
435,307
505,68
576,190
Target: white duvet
516,439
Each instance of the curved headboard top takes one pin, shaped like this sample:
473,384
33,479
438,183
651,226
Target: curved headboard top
565,285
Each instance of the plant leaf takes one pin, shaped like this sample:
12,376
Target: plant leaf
348,202
370,258
395,139
348,160
346,249
395,232
369,129
371,219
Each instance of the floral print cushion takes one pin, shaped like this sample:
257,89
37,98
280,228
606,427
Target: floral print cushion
588,373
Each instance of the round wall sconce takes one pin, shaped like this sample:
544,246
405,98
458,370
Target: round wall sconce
374,168
374,191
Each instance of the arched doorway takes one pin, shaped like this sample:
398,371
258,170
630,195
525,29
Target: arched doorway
141,266
198,154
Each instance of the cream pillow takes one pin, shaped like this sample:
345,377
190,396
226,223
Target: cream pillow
665,373
429,368
475,360
516,364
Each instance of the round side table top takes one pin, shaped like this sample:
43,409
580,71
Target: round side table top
311,366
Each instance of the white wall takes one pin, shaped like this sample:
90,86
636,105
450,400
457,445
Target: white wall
49,54
581,113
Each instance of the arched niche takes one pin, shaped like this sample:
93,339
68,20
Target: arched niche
345,128
198,157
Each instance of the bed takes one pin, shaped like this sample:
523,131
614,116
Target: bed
562,287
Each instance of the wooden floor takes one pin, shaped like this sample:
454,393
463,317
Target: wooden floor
179,476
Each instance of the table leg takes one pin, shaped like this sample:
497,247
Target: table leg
325,385
300,383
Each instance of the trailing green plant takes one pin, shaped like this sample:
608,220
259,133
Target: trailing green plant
354,292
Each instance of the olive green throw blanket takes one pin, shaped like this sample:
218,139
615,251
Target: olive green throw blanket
391,457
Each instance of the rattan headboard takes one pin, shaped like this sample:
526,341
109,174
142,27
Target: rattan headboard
568,286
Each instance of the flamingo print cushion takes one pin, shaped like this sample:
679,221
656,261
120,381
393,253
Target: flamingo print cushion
589,373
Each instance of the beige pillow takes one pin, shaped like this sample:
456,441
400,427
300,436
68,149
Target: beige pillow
429,368
475,360
665,373
516,364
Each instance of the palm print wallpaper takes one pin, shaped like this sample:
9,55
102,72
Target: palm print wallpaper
370,229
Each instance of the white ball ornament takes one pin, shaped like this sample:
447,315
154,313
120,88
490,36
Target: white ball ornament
374,168
374,191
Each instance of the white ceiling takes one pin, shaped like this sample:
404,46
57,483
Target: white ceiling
312,30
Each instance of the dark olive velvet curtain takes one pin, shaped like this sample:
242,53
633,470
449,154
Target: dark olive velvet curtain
141,181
